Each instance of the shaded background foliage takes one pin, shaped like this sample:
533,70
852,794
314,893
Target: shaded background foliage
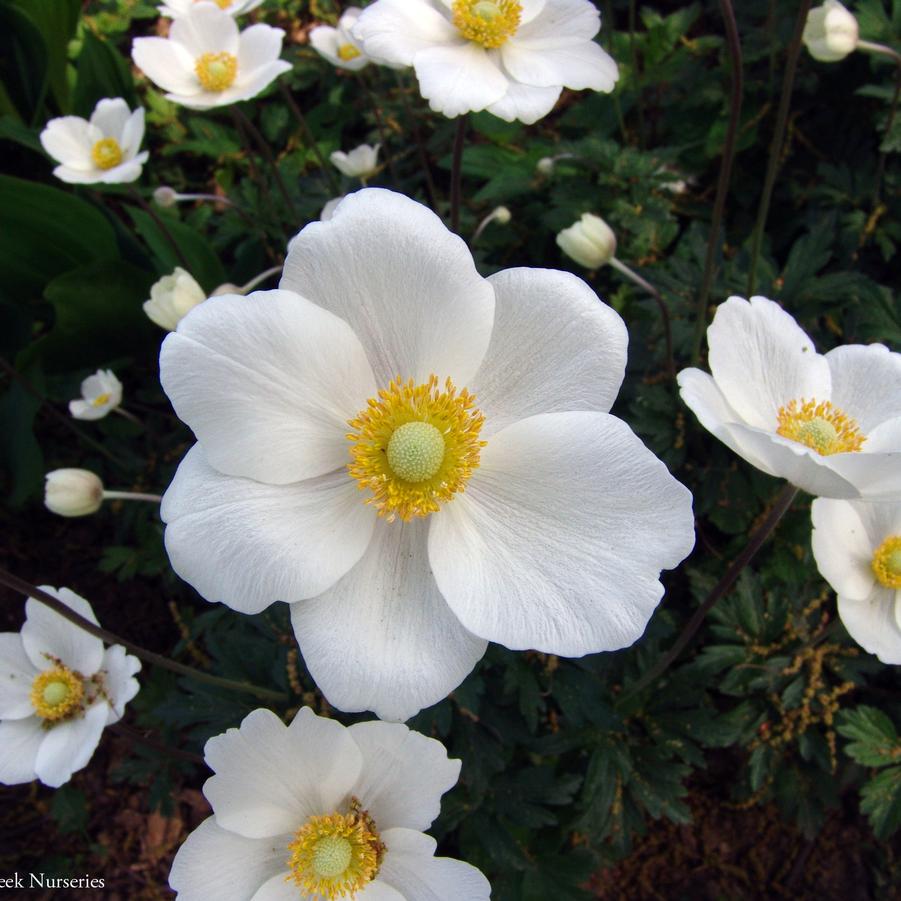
772,720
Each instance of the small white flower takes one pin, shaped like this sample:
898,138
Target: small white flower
857,547
511,57
205,62
101,393
103,149
72,492
590,241
176,8
317,810
338,45
829,424
173,297
329,209
362,162
58,690
830,32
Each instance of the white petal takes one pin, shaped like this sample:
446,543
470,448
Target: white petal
842,548
216,863
205,29
580,66
69,745
247,545
259,45
562,23
866,383
78,176
46,634
110,116
524,103
133,133
407,286
459,78
248,85
761,359
394,31
121,686
270,778
127,172
267,383
69,140
20,741
555,347
876,471
166,63
278,888
17,674
383,639
81,409
404,775
324,40
559,540
873,623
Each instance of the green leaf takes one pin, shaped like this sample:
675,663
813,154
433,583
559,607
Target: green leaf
875,740
69,807
880,800
20,452
102,72
23,64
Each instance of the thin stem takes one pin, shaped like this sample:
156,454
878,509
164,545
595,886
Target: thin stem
179,253
132,496
121,411
661,305
633,48
780,507
456,173
420,144
788,82
380,125
134,735
883,49
32,591
308,138
260,278
482,226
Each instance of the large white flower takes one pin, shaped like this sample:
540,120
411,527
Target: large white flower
857,547
102,149
315,810
830,424
206,62
176,8
338,45
101,393
383,322
58,690
511,57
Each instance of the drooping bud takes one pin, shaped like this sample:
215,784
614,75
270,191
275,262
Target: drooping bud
590,241
172,297
72,492
830,32
165,196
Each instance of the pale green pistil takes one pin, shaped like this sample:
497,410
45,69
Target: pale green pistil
820,434
893,563
415,451
486,10
55,693
331,857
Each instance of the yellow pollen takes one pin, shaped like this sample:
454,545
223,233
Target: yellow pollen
106,153
487,22
100,400
347,52
820,426
415,446
886,562
222,4
57,693
336,855
216,71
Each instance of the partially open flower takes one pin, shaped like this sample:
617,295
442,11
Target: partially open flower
590,241
338,45
830,32
176,8
72,492
362,162
172,297
101,393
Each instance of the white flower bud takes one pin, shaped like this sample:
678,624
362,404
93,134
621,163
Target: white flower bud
502,215
362,162
545,165
165,196
72,492
172,297
830,32
590,241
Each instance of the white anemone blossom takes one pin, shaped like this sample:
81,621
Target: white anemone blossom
362,162
176,8
339,420
206,62
829,424
315,810
59,689
338,45
511,57
101,393
857,547
102,149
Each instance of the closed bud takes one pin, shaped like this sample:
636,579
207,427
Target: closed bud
165,196
172,297
545,165
72,492
590,241
502,215
830,32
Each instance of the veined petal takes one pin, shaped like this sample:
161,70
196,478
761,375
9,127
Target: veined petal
258,46
133,134
842,548
17,673
20,741
459,78
873,622
121,686
394,31
580,66
866,383
205,29
167,64
562,23
69,745
46,634
69,140
525,103
110,116
250,84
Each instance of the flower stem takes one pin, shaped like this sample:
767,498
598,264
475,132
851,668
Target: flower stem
260,278
121,411
133,735
633,50
308,138
456,173
734,44
131,496
179,253
780,507
788,82
420,144
32,591
380,125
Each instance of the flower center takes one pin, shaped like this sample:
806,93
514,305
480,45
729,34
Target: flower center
487,22
347,52
57,693
886,562
822,427
415,446
216,71
106,153
100,400
222,4
336,855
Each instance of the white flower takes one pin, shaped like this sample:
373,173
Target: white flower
830,425
101,393
72,492
362,162
830,32
317,810
511,58
337,45
857,547
206,62
566,520
58,690
590,241
172,297
176,8
102,149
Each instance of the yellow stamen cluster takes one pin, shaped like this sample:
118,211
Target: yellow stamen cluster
222,4
216,71
336,855
410,468
100,400
820,426
487,22
886,562
57,693
347,52
106,153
